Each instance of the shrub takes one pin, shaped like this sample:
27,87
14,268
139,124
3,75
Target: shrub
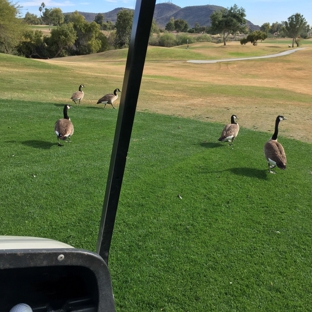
243,41
184,39
167,40
154,41
203,38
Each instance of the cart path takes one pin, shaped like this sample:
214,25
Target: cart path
245,58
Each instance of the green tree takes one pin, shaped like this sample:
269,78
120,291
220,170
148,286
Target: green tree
111,39
45,17
305,32
99,19
228,21
254,37
53,16
61,40
89,37
275,28
108,25
56,17
123,28
32,45
180,25
170,25
76,18
31,19
294,25
11,27
265,27
80,25
198,29
93,43
42,6
104,42
243,41
154,28
66,18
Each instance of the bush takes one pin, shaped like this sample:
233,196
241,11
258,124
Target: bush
184,39
243,41
154,41
203,38
167,40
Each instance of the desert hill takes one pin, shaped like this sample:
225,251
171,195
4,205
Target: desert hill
164,11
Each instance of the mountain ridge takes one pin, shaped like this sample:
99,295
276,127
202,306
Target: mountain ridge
164,11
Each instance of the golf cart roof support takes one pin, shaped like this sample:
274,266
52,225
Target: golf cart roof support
142,21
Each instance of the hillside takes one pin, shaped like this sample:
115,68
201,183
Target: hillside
191,14
164,11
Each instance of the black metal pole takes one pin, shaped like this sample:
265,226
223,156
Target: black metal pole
142,22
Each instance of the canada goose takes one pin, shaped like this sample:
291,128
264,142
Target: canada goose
78,95
230,131
64,128
109,98
274,151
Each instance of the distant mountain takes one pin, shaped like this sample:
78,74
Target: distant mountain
164,11
111,15
191,14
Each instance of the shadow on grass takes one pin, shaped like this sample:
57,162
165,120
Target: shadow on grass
250,172
211,144
71,104
39,144
101,106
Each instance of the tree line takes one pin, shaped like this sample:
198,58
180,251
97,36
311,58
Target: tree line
232,21
71,34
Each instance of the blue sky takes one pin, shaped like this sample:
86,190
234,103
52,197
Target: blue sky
257,11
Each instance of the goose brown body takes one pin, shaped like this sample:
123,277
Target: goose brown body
109,98
274,151
64,128
78,95
230,131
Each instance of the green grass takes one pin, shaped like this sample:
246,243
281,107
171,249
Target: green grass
286,41
231,243
39,178
240,239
